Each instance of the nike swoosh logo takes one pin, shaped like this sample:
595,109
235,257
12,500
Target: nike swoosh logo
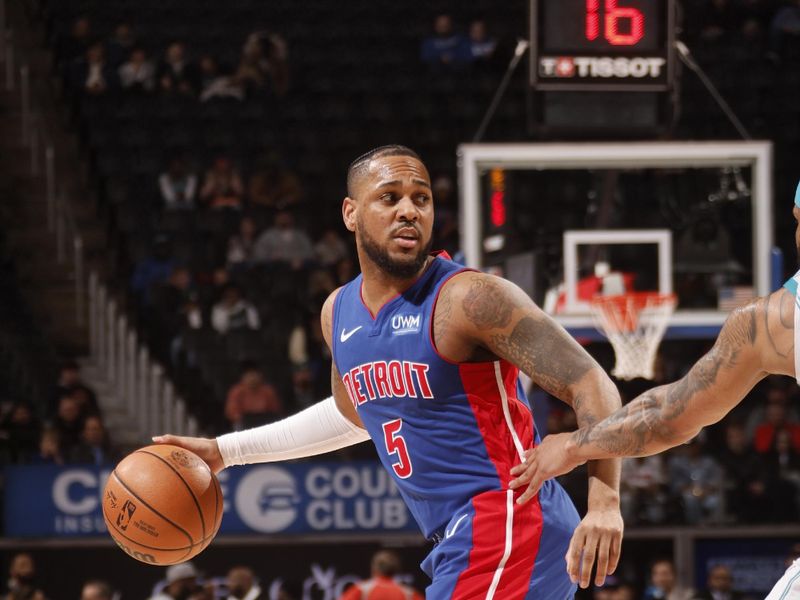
346,336
448,533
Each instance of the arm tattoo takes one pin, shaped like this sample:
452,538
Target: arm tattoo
441,315
486,305
546,353
651,416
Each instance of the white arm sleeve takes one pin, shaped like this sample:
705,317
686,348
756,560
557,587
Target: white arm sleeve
318,429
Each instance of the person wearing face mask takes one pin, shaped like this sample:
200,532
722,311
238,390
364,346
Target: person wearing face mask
22,579
242,585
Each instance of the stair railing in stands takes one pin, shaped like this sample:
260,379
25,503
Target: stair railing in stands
140,384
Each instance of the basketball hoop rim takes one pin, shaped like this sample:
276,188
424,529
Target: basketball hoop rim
619,314
640,299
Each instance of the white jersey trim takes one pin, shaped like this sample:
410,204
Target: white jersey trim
498,373
509,542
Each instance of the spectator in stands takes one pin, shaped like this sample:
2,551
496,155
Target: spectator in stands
284,243
181,583
744,478
272,185
444,49
263,63
153,270
69,379
96,589
720,586
382,586
137,73
642,490
330,248
252,401
785,27
241,245
233,312
69,424
87,405
176,74
22,579
178,185
663,584
94,447
121,44
781,464
216,84
22,429
775,420
480,45
222,185
310,358
49,449
77,42
176,310
93,74
697,479
242,585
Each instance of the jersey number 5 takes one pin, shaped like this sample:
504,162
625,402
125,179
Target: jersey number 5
395,444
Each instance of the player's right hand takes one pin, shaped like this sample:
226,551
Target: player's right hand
205,448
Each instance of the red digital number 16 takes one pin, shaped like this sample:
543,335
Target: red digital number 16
614,14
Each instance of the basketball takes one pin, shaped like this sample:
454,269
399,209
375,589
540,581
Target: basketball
162,505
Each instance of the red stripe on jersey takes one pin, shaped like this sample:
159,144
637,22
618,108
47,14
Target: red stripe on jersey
489,531
480,384
488,545
516,577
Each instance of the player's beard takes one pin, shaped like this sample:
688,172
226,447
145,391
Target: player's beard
405,269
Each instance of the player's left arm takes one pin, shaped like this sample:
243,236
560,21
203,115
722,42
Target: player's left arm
501,318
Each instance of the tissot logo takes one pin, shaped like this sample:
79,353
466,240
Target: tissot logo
603,67
402,324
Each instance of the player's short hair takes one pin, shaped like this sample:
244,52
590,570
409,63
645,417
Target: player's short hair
359,165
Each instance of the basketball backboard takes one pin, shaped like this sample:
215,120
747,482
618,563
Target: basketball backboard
690,217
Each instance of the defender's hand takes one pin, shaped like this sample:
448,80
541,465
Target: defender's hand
599,534
205,448
549,459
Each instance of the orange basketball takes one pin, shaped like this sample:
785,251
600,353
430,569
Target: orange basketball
162,505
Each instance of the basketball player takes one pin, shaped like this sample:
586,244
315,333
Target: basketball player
756,341
425,362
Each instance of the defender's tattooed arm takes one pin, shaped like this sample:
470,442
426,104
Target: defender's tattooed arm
755,341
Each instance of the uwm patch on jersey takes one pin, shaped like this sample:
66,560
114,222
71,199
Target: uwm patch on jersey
392,379
405,324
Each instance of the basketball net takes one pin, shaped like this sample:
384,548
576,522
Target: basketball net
634,323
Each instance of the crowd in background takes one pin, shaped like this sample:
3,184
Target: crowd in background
186,582
72,430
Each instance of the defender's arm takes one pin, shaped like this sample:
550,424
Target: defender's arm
756,340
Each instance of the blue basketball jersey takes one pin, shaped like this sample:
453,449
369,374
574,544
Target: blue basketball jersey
449,434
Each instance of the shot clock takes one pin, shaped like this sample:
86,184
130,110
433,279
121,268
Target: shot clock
602,45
